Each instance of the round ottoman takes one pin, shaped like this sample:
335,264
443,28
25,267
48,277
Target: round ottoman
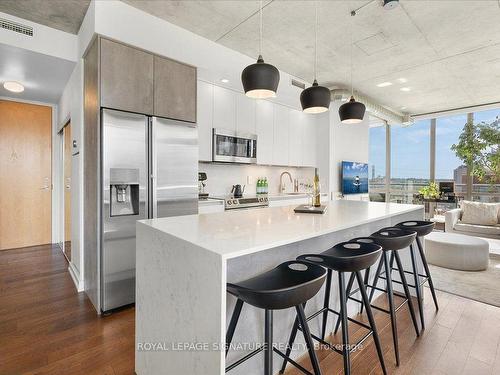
457,251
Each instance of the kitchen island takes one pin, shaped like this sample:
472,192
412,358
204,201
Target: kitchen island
183,264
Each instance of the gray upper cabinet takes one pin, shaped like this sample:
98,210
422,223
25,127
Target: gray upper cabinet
126,78
174,90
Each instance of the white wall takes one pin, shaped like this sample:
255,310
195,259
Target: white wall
45,40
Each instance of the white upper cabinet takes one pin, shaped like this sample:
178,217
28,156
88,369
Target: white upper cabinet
309,140
281,135
204,117
264,120
295,149
224,108
245,114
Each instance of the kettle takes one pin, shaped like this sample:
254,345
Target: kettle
237,191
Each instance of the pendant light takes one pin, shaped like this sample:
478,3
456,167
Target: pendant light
352,112
315,99
260,80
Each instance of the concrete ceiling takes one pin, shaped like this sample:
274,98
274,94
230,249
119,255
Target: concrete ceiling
44,77
65,15
447,51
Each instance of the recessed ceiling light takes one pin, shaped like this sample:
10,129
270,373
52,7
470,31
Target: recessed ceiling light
403,107
406,89
384,84
402,80
13,86
224,80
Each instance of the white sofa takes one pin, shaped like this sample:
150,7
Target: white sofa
453,224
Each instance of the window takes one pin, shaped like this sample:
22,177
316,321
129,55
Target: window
410,160
376,163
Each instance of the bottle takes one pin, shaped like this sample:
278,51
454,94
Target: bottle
265,185
259,186
317,195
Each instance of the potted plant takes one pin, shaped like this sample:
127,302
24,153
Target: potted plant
430,191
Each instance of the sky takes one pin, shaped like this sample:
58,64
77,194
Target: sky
410,146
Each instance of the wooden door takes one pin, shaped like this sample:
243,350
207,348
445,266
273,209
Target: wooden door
174,90
67,189
126,78
25,167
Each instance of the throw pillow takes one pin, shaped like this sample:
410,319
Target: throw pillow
479,213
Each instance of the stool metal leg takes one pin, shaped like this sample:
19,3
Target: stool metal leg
390,297
427,272
291,340
371,320
326,305
345,328
307,337
268,338
233,323
418,289
377,275
366,280
349,287
407,292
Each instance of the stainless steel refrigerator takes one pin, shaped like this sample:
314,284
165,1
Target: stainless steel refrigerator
149,170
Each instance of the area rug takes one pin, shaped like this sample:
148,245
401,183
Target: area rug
482,286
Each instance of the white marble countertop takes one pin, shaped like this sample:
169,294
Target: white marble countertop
239,232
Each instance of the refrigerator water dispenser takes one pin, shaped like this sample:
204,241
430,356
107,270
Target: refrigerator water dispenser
124,191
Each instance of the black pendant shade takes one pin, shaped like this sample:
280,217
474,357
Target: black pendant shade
315,99
352,112
260,80
390,4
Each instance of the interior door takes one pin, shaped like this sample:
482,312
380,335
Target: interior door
175,168
67,190
26,182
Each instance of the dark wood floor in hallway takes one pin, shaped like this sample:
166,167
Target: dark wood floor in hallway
48,328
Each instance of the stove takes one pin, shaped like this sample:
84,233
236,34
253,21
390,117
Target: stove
259,201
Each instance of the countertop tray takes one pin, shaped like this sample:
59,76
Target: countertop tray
306,209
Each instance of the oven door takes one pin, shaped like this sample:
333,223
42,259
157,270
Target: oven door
232,147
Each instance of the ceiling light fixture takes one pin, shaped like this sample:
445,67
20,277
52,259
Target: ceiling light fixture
405,89
260,80
13,86
315,99
224,80
384,84
352,112
390,4
402,80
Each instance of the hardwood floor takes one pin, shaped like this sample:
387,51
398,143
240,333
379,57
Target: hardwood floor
48,328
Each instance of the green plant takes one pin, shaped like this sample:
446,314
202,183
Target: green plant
478,148
430,191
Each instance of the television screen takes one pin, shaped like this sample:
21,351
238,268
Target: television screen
354,178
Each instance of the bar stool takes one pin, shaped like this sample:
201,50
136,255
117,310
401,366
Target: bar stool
343,257
423,228
392,240
291,284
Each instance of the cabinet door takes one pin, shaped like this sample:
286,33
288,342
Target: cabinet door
245,114
205,116
295,149
126,78
174,90
224,108
309,141
281,135
264,120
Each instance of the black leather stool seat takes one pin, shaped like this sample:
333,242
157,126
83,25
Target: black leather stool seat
346,256
394,238
289,284
423,228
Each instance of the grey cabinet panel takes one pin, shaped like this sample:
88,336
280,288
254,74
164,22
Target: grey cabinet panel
174,90
126,78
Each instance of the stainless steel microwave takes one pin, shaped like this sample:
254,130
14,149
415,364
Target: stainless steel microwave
234,147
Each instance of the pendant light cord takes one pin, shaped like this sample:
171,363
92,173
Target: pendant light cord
352,85
260,38
316,40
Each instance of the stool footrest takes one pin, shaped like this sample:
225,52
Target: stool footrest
381,308
288,359
245,358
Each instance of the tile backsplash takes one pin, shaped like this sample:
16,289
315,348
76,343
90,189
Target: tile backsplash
221,177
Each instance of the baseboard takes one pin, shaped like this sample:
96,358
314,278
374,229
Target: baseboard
75,275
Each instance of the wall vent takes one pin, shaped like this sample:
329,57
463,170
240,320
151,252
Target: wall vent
300,85
16,27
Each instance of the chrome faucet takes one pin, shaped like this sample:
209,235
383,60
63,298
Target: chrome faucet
282,184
